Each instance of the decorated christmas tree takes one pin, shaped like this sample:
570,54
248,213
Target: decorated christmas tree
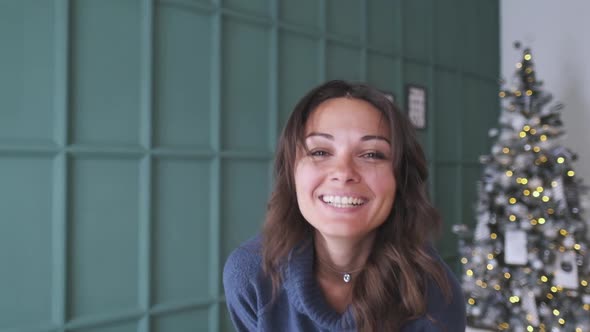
526,265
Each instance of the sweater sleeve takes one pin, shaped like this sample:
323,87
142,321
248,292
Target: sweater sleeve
450,314
442,315
239,281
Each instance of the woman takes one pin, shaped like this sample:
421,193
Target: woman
346,244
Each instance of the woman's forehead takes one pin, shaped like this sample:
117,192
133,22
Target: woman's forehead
347,115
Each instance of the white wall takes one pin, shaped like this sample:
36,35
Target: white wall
558,33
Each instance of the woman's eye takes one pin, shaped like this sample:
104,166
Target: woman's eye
374,155
318,153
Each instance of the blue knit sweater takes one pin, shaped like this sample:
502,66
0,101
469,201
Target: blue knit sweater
301,306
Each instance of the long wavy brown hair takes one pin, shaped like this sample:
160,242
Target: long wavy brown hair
391,289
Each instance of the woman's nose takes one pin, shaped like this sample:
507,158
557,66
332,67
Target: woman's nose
344,170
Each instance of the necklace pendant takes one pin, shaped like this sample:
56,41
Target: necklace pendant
346,277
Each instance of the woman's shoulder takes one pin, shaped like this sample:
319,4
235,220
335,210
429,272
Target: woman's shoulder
251,250
247,289
450,312
244,264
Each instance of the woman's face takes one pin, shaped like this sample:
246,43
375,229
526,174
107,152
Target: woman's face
345,184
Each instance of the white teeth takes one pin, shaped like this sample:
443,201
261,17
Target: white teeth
342,201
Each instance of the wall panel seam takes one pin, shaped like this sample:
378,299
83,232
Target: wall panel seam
364,23
322,69
216,53
247,18
194,6
145,185
59,235
273,86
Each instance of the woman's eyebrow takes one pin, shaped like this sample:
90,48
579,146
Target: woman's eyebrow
363,139
324,135
375,137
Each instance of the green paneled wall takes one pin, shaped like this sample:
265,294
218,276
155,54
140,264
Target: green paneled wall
137,138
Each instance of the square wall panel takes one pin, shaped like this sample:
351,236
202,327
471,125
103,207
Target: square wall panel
244,192
479,22
448,194
28,74
103,236
298,70
449,117
117,326
384,25
489,38
384,72
422,137
197,320
105,71
344,18
474,110
181,230
25,242
225,323
418,74
468,36
470,176
245,86
343,62
301,12
447,40
252,7
490,106
182,77
417,29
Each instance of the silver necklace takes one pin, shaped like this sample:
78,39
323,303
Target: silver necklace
346,276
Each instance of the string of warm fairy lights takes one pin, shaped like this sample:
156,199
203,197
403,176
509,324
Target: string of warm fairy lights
526,266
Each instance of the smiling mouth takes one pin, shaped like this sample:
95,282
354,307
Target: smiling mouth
343,201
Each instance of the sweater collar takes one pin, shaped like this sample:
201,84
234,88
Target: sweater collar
305,293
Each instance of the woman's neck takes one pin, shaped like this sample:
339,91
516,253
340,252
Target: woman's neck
341,258
337,264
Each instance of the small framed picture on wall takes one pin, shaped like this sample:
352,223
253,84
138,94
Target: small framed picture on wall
416,104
